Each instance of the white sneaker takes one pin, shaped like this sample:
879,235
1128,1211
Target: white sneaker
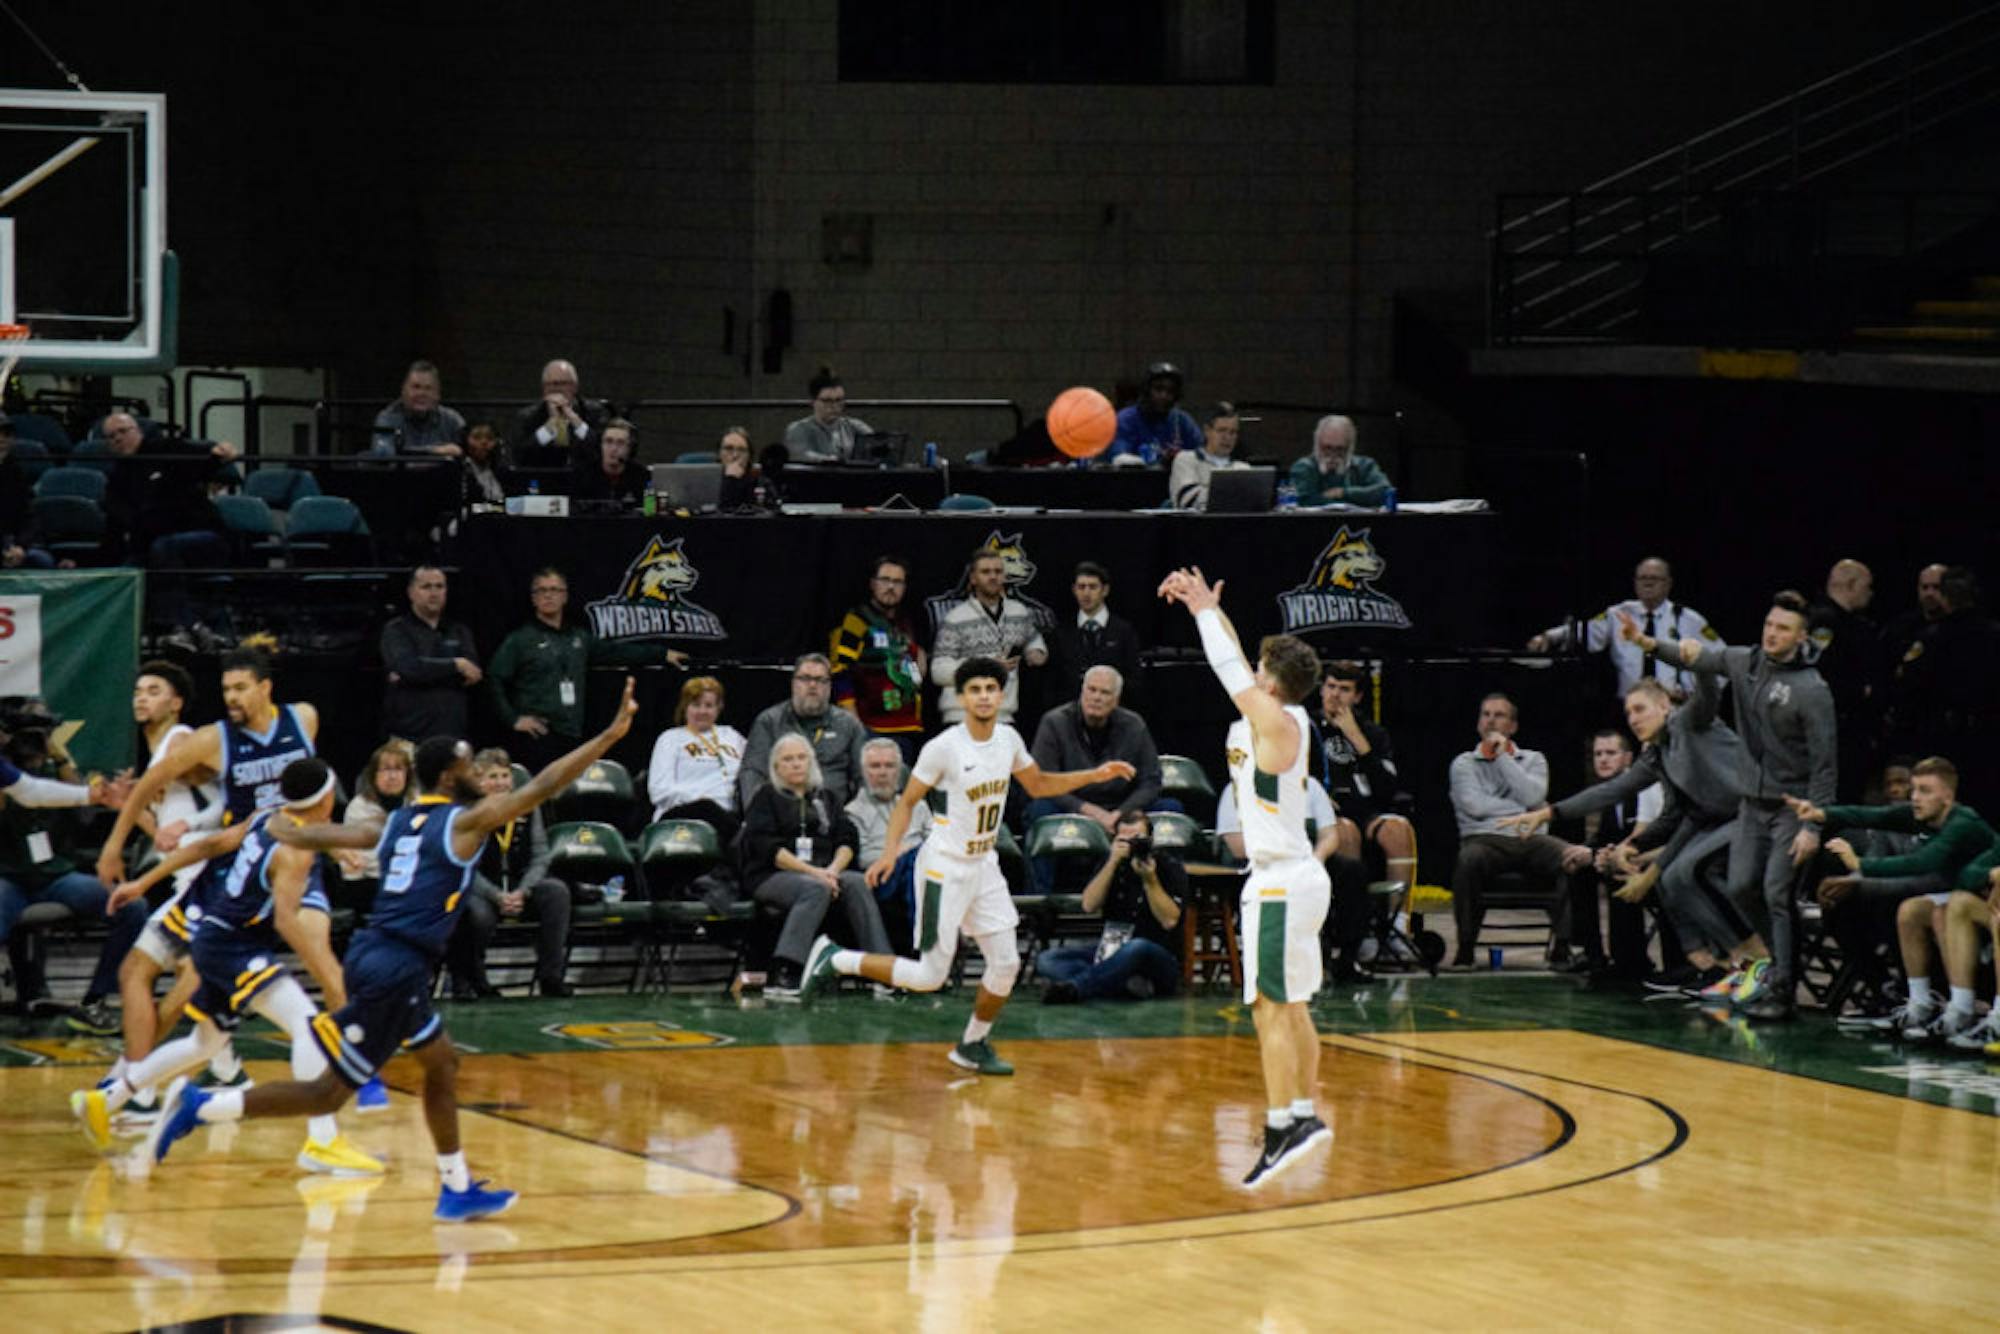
1908,1015
1943,1027
1974,1039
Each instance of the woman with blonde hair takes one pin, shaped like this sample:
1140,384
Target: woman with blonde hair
692,775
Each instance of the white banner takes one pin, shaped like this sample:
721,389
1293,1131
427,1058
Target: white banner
21,645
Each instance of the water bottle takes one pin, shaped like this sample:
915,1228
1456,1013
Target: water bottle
649,504
534,486
1288,495
1389,501
614,889
930,454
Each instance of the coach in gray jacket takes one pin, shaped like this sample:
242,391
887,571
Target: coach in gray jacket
1784,716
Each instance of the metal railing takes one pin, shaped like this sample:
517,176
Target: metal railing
1570,266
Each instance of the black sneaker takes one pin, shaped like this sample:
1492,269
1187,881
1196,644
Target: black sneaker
1284,1148
1266,1165
95,1017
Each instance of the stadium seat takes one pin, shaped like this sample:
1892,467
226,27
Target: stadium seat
33,457
279,487
965,503
251,529
672,853
43,430
92,453
602,793
1179,834
587,852
66,481
72,527
1071,838
1186,782
327,529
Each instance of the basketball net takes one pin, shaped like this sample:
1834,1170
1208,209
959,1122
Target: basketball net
12,336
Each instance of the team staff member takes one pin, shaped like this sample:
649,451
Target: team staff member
1656,614
538,674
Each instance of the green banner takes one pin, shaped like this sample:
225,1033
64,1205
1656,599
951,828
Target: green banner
71,639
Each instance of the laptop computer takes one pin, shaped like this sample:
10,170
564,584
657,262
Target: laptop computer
881,449
1241,490
690,486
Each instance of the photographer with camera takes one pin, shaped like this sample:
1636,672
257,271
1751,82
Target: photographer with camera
35,785
1139,890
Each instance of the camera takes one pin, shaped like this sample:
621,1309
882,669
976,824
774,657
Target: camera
1141,846
25,725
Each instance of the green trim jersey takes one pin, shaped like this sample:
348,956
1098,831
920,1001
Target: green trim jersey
974,776
1272,808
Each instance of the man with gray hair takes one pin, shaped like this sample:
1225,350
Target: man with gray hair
562,426
1654,611
1083,734
836,735
882,774
1334,471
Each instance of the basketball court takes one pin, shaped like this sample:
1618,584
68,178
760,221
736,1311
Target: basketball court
1509,1151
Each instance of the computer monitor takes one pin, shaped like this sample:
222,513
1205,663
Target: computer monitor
689,486
1241,490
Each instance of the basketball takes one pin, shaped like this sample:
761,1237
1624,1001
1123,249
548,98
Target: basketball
1082,422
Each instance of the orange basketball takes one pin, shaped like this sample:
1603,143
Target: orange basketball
1082,422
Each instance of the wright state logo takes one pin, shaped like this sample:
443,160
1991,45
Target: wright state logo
652,602
1340,594
1020,573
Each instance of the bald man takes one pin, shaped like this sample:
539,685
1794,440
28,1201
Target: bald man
1845,644
1651,604
561,428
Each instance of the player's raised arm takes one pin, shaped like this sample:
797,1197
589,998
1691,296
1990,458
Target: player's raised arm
500,809
900,815
202,749
190,851
325,836
1222,648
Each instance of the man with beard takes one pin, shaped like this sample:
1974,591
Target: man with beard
878,665
837,736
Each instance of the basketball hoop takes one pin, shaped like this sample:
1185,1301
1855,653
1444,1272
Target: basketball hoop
11,338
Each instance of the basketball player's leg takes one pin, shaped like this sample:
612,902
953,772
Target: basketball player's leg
1284,907
439,1061
138,1016
460,1198
943,894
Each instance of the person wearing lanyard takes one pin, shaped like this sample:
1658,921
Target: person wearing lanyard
537,677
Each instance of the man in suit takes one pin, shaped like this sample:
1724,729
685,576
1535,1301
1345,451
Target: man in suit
561,427
1093,638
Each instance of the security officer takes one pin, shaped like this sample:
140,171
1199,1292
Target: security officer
1649,604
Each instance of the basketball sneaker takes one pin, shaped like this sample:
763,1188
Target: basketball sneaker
1943,1026
180,1113
135,1116
475,1201
819,972
979,1056
338,1157
1907,1015
1979,1036
1286,1148
1723,989
372,1097
225,1071
93,1116
1751,985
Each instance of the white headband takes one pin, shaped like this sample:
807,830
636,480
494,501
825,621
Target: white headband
303,802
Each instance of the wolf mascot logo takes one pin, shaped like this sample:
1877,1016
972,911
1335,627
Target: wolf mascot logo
1020,573
652,602
1340,593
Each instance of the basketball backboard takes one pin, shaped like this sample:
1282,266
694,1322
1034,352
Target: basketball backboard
83,228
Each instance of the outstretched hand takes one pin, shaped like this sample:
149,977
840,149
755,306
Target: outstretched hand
1111,769
1628,629
1191,589
628,709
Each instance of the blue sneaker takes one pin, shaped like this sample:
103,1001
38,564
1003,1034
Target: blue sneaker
475,1201
180,1113
372,1097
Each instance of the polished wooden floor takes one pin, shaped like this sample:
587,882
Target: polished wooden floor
1478,1180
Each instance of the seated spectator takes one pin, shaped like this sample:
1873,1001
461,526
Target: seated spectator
1345,931
156,501
828,435
1356,764
1155,426
1095,637
1140,892
836,735
878,665
881,773
1335,472
1490,782
488,478
384,785
512,881
562,426
744,489
418,422
1083,734
538,673
1951,864
693,772
1611,755
1187,480
988,624
614,474
798,846
36,865
1651,604
18,540
430,662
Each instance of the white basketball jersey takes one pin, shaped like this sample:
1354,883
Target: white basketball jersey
974,776
180,801
1271,807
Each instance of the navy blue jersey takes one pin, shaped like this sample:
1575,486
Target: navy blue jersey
422,880
238,895
252,764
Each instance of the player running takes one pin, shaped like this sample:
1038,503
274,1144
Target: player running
1286,893
958,871
429,850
